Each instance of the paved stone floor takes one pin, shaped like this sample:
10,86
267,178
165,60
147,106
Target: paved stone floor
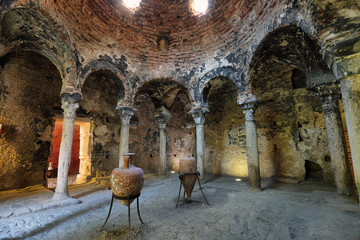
280,211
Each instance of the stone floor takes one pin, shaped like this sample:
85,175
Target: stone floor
280,211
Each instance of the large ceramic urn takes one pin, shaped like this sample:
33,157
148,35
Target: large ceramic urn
187,170
128,180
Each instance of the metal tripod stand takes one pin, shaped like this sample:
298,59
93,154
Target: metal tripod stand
129,198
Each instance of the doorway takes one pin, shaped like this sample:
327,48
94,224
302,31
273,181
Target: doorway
80,164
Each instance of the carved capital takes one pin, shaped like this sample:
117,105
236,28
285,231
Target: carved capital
198,111
163,115
69,109
329,95
162,122
70,103
125,114
249,114
249,109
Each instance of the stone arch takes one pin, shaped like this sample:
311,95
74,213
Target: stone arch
106,66
168,86
161,103
101,90
31,84
288,116
287,45
235,76
224,150
338,31
28,29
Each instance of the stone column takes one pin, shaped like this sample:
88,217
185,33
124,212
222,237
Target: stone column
163,116
350,91
125,113
198,113
329,96
70,102
252,147
85,153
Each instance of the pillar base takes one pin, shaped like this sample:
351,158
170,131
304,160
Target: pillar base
254,189
60,196
80,179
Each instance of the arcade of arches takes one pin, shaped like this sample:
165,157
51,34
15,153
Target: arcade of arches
254,89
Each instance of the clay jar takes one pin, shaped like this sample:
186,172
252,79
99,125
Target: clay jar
187,164
128,180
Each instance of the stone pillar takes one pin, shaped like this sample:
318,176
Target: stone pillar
163,116
125,113
85,153
198,113
70,102
252,146
350,91
329,96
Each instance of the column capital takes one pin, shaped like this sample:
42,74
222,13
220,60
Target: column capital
329,96
163,115
70,103
198,111
126,111
249,109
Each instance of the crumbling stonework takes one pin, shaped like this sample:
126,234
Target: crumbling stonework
272,51
144,135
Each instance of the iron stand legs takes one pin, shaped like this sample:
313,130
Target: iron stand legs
125,198
181,175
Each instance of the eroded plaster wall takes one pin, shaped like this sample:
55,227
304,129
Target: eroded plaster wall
30,97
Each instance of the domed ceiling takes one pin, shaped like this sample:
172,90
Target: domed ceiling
167,39
107,27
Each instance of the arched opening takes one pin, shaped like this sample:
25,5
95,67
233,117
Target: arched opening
225,150
30,97
144,135
100,92
292,132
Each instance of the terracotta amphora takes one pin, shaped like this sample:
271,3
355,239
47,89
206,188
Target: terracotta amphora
128,180
187,164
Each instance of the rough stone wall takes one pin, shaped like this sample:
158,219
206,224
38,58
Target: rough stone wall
291,128
30,96
225,145
180,131
338,24
100,94
144,135
144,138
